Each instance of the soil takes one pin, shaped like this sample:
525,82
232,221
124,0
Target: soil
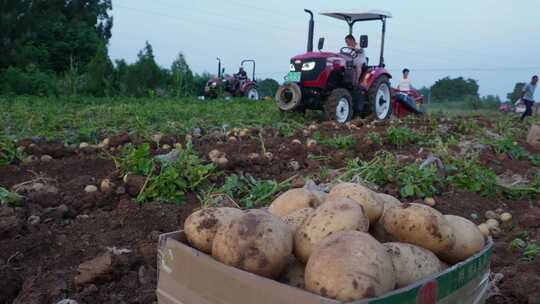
60,226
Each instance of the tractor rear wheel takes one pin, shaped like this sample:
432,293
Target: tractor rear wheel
252,94
338,106
380,98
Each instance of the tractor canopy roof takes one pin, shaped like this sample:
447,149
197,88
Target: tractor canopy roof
357,15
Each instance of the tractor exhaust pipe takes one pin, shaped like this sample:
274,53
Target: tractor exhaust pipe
310,32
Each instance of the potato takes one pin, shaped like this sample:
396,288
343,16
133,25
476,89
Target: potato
201,226
257,241
348,266
387,200
361,195
378,230
340,214
293,274
419,225
295,219
469,240
293,200
412,263
484,229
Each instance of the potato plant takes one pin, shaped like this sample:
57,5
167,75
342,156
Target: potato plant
187,173
401,136
136,160
343,142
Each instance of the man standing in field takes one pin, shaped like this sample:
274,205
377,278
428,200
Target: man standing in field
405,83
527,95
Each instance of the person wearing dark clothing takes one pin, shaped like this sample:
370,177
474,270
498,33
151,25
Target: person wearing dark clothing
527,95
242,75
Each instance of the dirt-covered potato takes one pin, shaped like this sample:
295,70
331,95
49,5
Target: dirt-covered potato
469,239
257,241
348,266
377,230
361,195
339,214
293,274
293,200
295,219
412,263
419,225
201,226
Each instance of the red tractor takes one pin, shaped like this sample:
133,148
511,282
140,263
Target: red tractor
237,85
330,81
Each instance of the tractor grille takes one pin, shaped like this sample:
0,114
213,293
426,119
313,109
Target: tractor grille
313,74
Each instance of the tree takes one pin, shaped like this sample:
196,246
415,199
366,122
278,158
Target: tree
268,87
49,33
145,77
182,77
426,92
516,93
98,77
456,89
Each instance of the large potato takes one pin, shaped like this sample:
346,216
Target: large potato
201,226
339,214
412,263
361,195
293,200
348,266
419,225
377,230
469,240
257,241
297,218
293,274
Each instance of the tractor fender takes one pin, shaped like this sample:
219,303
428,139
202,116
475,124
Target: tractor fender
370,77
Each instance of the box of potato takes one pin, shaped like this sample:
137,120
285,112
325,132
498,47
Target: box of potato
313,249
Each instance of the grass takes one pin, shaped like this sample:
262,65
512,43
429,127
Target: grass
86,119
460,109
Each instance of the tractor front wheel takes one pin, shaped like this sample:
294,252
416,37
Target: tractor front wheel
339,106
289,98
380,98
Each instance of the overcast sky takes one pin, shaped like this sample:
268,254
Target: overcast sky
493,41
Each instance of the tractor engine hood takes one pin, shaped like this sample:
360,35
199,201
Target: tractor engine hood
313,64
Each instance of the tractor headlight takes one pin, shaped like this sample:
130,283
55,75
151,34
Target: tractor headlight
308,66
292,68
214,84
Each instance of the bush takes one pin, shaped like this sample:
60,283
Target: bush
30,81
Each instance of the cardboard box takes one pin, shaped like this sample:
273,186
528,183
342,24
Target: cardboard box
188,276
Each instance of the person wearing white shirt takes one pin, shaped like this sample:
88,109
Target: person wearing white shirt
405,83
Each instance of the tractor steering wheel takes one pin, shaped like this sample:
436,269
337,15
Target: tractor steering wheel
349,51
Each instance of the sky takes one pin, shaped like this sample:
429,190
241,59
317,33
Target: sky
494,42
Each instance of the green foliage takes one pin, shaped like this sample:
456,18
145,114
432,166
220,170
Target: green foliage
28,81
414,181
182,77
343,142
247,191
509,147
9,198
466,126
469,174
529,250
267,87
374,137
400,136
380,170
456,89
48,33
176,179
516,93
145,77
75,118
535,159
98,79
136,160
8,152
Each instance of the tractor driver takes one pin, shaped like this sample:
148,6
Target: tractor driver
241,76
360,58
